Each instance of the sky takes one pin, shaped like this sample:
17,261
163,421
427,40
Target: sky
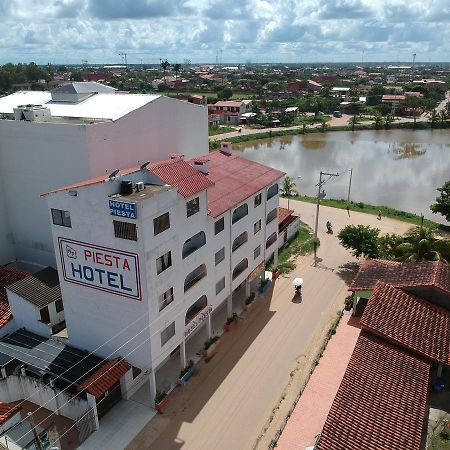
230,31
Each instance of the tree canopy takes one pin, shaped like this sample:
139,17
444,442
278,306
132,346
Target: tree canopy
361,239
442,205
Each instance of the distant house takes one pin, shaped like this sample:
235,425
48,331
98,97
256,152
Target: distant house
394,100
432,83
329,78
292,110
288,225
304,86
342,93
414,94
230,111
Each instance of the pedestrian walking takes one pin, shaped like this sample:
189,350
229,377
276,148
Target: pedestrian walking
379,214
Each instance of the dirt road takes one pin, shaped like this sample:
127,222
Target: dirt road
228,403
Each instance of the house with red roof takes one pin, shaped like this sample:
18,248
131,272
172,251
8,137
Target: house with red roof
150,256
230,111
402,350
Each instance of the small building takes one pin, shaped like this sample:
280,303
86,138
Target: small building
36,303
393,100
307,86
432,83
230,111
288,225
342,93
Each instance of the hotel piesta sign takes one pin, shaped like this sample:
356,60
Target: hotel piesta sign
101,268
122,209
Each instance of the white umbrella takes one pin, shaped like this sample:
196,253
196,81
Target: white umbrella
297,282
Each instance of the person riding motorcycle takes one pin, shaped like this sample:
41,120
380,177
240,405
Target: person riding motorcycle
329,227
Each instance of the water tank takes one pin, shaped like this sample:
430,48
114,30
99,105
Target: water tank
126,187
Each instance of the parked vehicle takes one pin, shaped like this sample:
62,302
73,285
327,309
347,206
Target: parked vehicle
337,114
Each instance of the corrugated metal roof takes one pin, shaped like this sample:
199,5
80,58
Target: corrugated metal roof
40,289
99,106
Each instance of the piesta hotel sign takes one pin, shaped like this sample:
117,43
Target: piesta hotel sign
122,209
101,268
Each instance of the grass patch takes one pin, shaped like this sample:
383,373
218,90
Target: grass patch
386,211
438,442
217,129
302,243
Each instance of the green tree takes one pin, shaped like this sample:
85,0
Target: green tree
76,75
353,121
374,95
378,121
413,103
421,244
288,187
442,205
434,118
361,239
443,116
176,69
224,94
165,67
387,121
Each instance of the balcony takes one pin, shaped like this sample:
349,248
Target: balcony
239,241
240,268
196,308
194,277
193,244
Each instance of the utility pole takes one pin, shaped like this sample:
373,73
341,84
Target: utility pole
320,195
124,57
349,187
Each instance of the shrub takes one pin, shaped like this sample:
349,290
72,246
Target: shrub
159,397
210,342
250,299
187,368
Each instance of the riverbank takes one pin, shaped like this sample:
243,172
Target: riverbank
294,131
386,211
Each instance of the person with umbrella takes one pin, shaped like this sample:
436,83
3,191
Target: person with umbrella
297,283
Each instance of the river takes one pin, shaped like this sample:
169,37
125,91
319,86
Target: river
397,168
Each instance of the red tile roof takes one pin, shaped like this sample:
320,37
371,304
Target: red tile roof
284,213
406,275
105,377
381,402
235,179
179,173
7,410
8,276
409,321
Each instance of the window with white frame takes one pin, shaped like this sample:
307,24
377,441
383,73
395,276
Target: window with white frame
163,262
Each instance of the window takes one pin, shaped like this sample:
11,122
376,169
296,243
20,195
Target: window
239,213
136,372
194,277
258,199
161,223
271,216
192,207
163,262
219,225
194,309
125,230
220,285
166,299
240,240
272,191
220,255
256,252
194,243
45,316
167,334
59,306
257,226
240,268
271,239
61,218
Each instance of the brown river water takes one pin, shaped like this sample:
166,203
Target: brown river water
397,168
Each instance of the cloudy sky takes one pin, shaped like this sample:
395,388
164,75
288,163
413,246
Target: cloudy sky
69,31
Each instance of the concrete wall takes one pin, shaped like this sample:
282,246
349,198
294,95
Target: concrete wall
38,157
17,387
291,229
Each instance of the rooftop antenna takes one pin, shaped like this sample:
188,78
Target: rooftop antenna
414,60
143,166
113,174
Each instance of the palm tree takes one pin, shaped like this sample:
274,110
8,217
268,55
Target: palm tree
378,121
288,188
443,115
420,244
433,118
165,66
388,120
176,69
353,121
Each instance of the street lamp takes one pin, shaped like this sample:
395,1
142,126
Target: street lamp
320,194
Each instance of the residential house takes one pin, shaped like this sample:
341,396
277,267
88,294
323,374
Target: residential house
304,86
230,111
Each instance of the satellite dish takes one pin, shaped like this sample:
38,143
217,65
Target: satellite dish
113,174
143,166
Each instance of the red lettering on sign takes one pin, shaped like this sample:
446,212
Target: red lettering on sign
126,265
87,254
98,258
108,261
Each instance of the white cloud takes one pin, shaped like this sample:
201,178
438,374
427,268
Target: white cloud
61,31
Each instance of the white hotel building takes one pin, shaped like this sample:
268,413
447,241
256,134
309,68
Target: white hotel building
146,256
79,131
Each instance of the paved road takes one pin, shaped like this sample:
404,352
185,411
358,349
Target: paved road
228,402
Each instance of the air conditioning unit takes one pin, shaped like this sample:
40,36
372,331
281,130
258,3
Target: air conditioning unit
140,186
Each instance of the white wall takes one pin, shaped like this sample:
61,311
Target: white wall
38,157
17,387
26,315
